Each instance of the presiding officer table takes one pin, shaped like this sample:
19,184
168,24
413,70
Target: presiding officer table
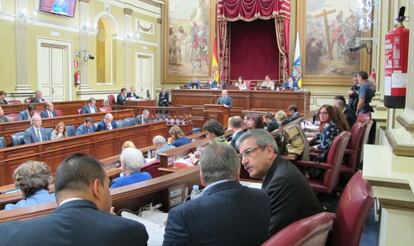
260,100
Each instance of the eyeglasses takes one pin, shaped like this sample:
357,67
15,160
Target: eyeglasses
248,152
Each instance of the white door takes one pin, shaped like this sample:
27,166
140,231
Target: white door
53,74
144,74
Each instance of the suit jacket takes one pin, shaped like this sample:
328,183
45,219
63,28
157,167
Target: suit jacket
350,116
74,223
31,137
83,130
120,99
87,110
45,114
235,137
291,197
225,101
163,99
23,115
102,126
227,213
130,94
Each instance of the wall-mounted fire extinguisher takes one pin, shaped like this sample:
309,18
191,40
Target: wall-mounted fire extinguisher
396,63
76,76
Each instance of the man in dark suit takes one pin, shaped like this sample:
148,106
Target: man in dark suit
36,133
107,123
86,127
163,98
291,196
144,117
294,114
132,93
349,113
49,111
226,213
225,100
236,126
27,113
38,97
121,98
90,108
82,218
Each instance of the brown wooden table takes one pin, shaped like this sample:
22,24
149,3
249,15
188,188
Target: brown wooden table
142,103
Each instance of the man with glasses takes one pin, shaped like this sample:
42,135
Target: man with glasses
291,197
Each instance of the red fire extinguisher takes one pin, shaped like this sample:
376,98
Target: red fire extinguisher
76,76
396,63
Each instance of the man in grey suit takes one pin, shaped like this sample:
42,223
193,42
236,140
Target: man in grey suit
162,145
36,133
291,197
49,111
226,213
90,108
225,99
82,218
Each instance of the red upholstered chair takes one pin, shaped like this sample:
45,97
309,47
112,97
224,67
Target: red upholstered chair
105,109
15,101
13,117
354,148
352,212
152,168
310,231
111,99
332,166
59,112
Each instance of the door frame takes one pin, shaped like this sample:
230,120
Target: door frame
68,46
151,56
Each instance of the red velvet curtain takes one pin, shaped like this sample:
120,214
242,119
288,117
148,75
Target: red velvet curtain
249,10
254,53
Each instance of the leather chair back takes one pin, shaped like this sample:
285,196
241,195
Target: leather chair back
48,132
335,157
354,147
14,101
310,231
59,112
152,168
13,117
352,212
111,99
105,109
17,138
71,130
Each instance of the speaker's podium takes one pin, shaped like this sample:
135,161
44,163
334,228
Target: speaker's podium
217,112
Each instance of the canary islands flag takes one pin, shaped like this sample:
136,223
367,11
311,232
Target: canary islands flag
214,63
297,70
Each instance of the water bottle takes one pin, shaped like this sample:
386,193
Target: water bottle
195,193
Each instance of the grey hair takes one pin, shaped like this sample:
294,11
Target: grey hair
132,159
219,161
159,140
262,137
32,176
107,115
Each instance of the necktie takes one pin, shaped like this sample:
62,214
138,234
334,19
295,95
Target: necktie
50,114
39,136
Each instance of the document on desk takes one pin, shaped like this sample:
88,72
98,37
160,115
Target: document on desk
255,185
155,231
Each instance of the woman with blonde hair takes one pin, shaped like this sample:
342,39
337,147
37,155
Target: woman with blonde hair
59,132
128,144
178,137
281,117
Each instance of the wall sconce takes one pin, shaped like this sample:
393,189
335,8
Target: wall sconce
83,54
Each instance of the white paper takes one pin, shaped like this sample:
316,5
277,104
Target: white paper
254,185
387,86
399,80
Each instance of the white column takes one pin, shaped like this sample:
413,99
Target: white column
85,26
128,36
22,76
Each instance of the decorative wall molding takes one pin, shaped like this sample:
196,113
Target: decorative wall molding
144,27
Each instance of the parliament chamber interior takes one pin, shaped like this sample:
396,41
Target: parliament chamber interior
206,122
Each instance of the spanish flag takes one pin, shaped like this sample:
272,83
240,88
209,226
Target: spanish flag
297,64
214,63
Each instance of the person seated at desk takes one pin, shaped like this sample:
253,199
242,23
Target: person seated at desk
32,179
281,118
3,118
107,123
28,113
236,126
3,95
212,84
90,108
215,131
294,113
194,83
49,111
178,137
36,133
254,121
241,84
132,161
84,204
162,146
163,98
270,121
143,118
86,127
268,83
121,97
225,100
347,111
38,97
59,132
226,213
290,84
132,94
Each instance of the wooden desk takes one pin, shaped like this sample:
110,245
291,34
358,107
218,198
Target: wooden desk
99,144
128,197
242,100
142,103
168,158
10,128
67,108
